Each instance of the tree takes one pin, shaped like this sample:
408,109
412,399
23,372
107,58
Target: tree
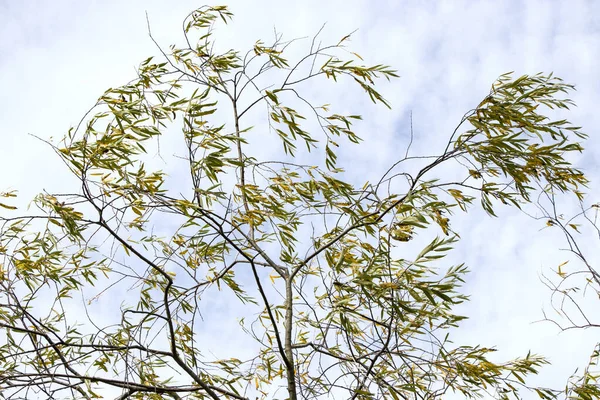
568,301
333,304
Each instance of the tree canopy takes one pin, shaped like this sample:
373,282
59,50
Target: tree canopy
105,289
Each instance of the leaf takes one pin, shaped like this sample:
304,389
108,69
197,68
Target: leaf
272,96
575,227
344,39
559,271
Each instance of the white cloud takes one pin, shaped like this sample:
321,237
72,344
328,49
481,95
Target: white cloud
56,58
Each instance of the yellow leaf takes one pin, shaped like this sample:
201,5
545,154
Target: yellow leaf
343,39
357,55
7,206
9,194
574,227
560,272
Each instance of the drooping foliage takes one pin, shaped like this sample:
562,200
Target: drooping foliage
318,267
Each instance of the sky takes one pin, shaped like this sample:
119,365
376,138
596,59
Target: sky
56,59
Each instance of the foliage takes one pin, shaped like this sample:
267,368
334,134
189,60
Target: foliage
320,266
575,289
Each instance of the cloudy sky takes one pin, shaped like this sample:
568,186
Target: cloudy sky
57,57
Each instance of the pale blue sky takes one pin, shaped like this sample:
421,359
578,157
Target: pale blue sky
57,57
